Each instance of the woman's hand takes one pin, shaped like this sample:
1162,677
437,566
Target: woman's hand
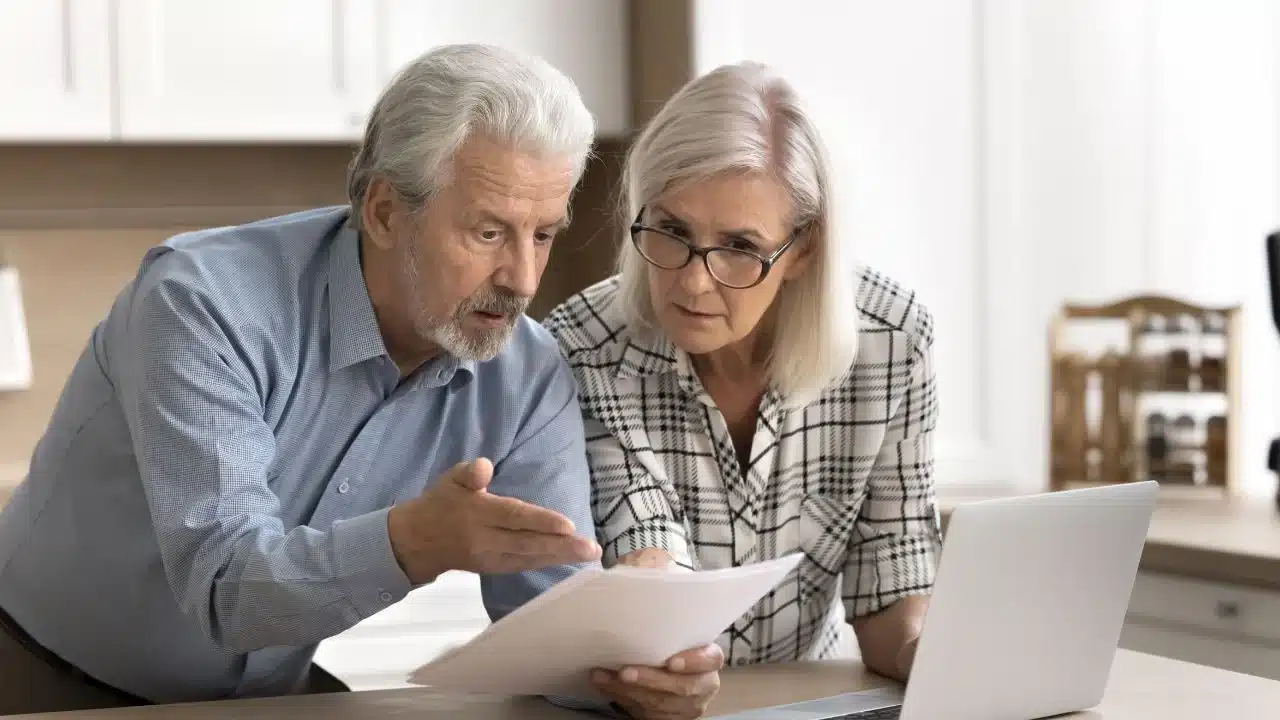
647,558
907,656
681,690
888,638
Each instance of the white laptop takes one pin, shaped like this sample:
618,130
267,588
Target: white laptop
1026,613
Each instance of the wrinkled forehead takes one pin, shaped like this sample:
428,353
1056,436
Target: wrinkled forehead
517,186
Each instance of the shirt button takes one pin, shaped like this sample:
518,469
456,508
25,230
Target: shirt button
385,596
343,487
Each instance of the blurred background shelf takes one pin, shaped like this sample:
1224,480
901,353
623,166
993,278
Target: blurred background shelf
1145,388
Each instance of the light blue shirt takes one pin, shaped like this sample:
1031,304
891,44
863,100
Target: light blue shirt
210,499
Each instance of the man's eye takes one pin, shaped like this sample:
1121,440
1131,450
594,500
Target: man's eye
491,235
544,238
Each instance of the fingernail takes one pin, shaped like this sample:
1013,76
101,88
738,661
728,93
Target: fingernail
630,675
676,664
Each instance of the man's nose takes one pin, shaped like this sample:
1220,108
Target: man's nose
520,269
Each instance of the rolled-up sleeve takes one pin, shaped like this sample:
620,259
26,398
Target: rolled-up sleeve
897,537
196,415
633,510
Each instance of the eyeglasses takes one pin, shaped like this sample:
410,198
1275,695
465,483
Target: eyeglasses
731,267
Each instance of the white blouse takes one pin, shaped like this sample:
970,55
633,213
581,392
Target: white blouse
847,480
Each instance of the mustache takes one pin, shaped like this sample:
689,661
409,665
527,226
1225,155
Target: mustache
496,303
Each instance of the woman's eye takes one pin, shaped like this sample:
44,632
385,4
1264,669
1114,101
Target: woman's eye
677,230
740,244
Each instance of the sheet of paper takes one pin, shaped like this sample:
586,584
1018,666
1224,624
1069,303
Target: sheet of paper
602,618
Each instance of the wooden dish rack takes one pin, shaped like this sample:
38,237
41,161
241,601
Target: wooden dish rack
1145,388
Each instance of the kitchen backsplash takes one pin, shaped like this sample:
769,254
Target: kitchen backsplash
75,221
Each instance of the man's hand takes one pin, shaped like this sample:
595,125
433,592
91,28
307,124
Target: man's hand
679,691
458,525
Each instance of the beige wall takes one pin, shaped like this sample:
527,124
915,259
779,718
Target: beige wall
69,278
76,220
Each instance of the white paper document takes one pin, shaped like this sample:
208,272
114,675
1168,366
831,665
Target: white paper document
602,619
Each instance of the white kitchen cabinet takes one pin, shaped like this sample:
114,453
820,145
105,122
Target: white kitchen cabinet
585,39
1225,626
55,76
244,69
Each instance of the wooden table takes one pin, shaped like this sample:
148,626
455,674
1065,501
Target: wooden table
1141,687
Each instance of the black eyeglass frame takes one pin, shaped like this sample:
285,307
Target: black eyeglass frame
766,263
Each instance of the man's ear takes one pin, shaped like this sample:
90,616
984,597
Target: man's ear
381,214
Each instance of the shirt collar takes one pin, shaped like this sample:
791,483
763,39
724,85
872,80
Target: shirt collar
443,370
354,336
647,354
650,353
353,327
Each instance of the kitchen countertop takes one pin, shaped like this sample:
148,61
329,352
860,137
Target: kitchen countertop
1232,540
1141,687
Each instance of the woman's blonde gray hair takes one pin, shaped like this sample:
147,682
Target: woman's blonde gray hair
746,118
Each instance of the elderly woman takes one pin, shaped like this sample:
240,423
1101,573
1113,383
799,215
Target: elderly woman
748,393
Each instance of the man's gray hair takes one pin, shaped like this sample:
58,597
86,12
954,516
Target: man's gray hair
745,118
453,92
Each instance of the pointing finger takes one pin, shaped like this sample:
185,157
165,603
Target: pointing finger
513,514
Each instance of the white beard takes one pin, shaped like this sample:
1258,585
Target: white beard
448,333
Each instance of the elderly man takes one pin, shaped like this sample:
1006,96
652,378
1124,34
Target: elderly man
281,428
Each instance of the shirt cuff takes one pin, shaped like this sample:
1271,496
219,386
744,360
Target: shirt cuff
367,569
878,576
660,533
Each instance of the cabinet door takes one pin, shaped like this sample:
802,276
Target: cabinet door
274,70
56,79
1190,645
1216,624
585,39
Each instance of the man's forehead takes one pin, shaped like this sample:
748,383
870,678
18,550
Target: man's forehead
513,211
487,167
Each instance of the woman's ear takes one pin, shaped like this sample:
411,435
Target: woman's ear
802,252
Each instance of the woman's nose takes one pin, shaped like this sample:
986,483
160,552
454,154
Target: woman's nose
694,278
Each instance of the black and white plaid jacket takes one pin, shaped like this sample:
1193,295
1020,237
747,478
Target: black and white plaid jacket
846,479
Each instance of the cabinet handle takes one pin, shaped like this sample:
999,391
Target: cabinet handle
1227,610
68,54
337,18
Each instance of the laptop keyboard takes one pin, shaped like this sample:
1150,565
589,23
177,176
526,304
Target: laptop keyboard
886,713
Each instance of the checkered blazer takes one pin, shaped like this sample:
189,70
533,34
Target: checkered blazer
847,479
